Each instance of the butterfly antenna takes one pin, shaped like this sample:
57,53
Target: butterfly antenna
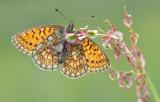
85,18
62,14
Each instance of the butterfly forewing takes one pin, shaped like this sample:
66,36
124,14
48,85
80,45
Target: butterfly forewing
96,59
28,40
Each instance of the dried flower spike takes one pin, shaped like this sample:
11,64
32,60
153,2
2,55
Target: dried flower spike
133,38
127,19
113,74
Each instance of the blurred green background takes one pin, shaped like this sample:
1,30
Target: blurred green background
21,81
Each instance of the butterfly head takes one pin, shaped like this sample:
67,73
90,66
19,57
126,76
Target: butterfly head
70,27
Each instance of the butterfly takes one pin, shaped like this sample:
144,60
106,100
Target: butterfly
51,51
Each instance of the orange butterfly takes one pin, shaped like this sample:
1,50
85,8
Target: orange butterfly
50,50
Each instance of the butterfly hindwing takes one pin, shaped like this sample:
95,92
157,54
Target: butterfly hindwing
28,40
46,57
74,64
96,59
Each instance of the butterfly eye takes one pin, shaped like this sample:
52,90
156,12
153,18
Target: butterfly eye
61,31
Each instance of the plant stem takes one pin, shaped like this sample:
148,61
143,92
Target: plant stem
152,89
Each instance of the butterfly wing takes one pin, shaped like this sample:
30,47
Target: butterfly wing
28,40
46,57
96,59
74,64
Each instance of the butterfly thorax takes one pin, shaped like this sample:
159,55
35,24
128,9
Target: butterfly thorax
70,33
